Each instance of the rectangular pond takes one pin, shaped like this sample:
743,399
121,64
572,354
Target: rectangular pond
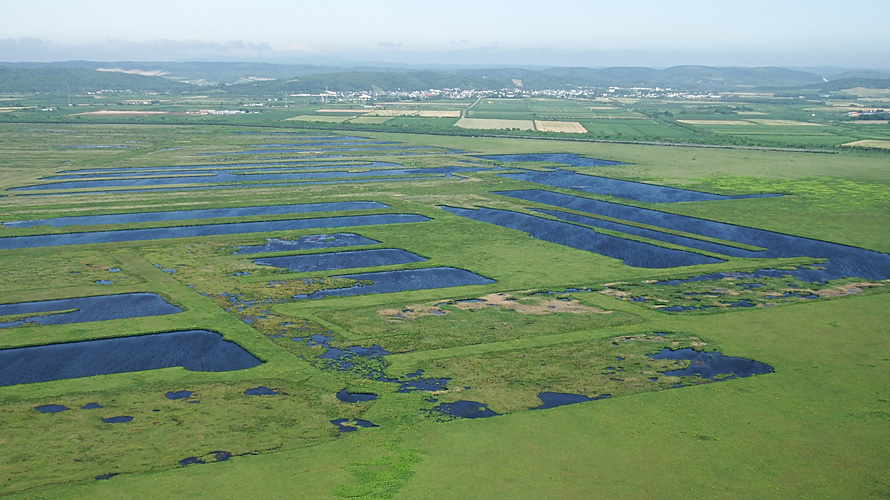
341,260
48,240
403,280
650,193
194,350
216,176
83,309
310,241
207,213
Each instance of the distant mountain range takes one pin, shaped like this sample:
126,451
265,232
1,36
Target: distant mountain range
272,79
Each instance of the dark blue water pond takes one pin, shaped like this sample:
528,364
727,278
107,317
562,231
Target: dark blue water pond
399,281
240,186
47,240
369,360
632,253
98,308
554,399
194,350
51,408
218,456
178,394
311,241
295,164
564,158
110,475
650,193
347,425
276,151
122,419
650,233
355,397
710,365
414,382
212,175
211,213
341,260
843,261
218,177
261,391
91,406
465,409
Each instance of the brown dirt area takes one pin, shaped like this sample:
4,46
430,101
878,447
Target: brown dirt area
503,300
508,301
849,288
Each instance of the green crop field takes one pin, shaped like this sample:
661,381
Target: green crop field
549,318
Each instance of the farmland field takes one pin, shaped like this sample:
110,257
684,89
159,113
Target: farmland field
494,123
429,315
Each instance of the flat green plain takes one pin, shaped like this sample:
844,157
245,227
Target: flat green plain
816,427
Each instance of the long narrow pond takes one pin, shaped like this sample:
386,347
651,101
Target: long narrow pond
399,281
843,261
83,309
341,260
207,213
49,240
632,253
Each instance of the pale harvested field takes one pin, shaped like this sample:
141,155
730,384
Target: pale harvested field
7,110
868,122
870,143
785,123
122,113
426,113
751,113
716,122
394,112
429,113
326,119
563,127
494,123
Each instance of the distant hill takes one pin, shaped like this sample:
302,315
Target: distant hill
861,73
680,77
209,73
852,83
50,80
257,79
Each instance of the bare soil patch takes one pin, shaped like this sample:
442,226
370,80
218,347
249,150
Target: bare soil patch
521,304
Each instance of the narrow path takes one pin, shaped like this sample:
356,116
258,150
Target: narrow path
463,112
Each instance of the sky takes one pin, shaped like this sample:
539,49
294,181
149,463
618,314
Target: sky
592,33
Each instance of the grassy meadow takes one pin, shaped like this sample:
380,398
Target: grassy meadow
816,427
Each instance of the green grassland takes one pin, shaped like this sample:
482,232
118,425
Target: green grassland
815,427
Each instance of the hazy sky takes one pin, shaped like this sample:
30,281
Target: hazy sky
579,33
